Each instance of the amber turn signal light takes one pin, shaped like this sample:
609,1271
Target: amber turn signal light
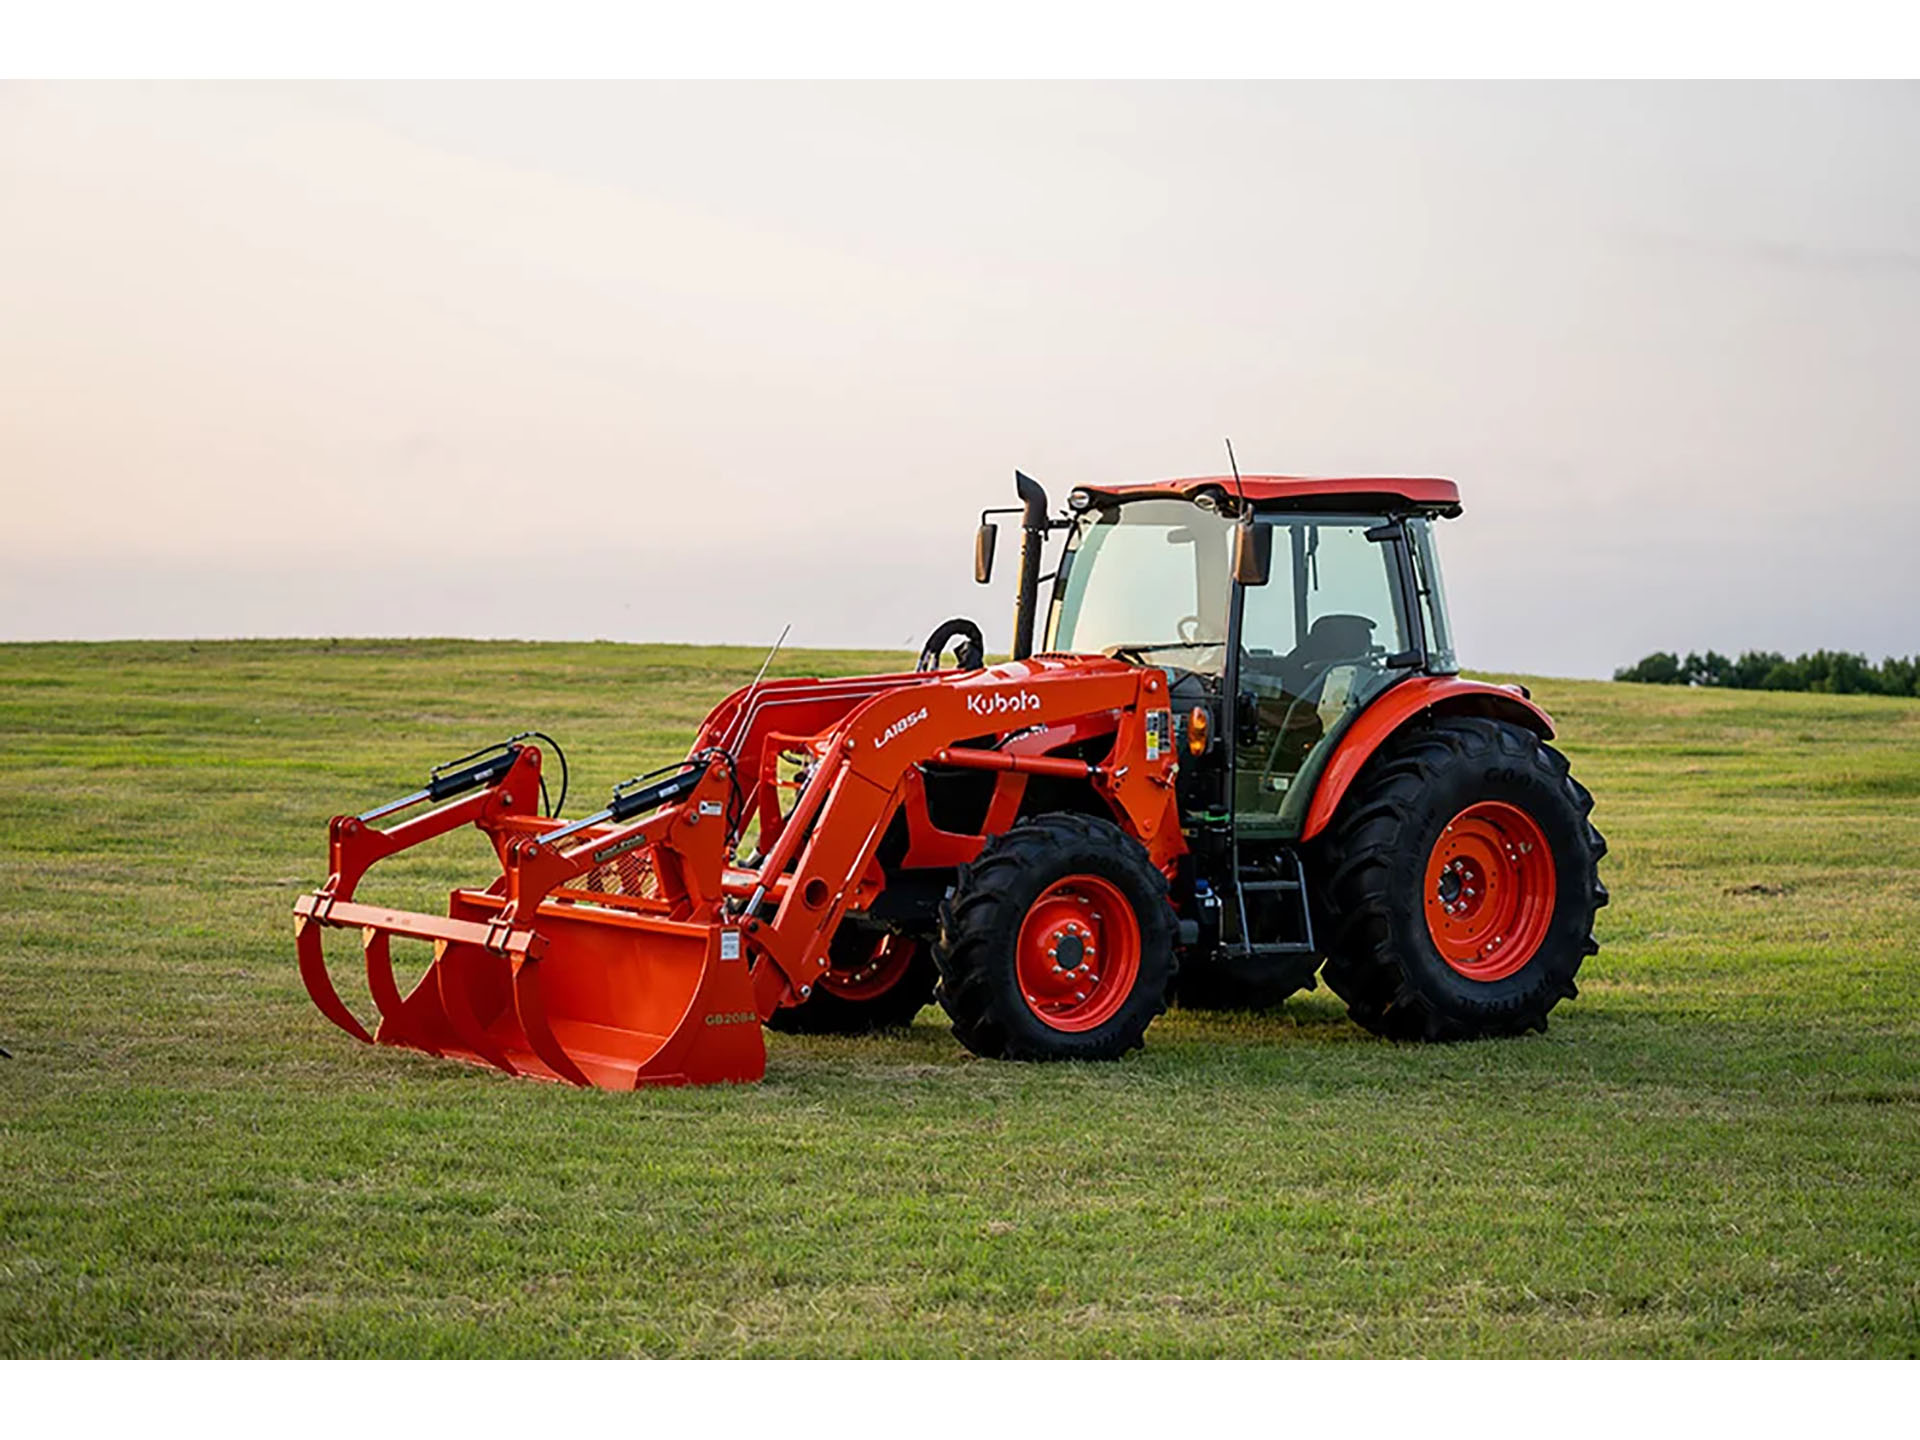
1197,724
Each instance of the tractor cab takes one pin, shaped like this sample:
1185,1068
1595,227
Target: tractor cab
1278,618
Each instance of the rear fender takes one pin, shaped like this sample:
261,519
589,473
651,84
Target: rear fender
1423,695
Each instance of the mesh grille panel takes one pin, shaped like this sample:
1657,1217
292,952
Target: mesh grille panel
628,874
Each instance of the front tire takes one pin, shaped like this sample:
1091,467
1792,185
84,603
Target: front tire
1057,943
1463,882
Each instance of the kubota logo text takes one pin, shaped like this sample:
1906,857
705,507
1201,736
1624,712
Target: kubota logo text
1002,703
905,722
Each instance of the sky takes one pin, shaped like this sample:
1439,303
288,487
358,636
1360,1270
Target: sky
694,362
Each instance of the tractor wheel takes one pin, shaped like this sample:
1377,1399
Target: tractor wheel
874,981
1057,943
1462,881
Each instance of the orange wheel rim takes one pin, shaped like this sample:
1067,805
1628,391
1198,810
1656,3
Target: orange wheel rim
1078,954
1490,890
879,970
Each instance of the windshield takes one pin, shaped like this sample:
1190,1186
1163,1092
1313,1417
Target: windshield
1149,577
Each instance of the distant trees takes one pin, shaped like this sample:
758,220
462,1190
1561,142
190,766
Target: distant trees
1824,672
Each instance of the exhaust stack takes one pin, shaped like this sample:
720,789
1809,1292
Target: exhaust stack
1033,535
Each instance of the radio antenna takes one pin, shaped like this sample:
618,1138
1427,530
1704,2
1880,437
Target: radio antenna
784,629
1237,485
747,698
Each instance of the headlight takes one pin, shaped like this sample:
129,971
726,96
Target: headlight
1078,500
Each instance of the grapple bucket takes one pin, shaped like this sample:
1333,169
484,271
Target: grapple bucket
556,983
609,1000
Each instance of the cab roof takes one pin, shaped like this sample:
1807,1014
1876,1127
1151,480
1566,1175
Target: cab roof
1297,492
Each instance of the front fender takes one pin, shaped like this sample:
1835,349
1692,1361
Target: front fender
1380,721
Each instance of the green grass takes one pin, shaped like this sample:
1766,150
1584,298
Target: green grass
1713,1151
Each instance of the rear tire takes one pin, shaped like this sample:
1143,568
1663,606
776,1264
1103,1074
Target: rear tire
1462,884
1057,943
874,981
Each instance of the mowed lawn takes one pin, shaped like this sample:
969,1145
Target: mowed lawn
1715,1149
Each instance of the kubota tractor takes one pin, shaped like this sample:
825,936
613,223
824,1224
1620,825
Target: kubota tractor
1241,756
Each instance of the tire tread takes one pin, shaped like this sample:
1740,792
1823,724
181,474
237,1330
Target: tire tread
1364,968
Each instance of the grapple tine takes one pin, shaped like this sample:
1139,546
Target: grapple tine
313,971
532,1010
380,981
451,969
397,1026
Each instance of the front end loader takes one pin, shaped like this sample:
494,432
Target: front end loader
1240,759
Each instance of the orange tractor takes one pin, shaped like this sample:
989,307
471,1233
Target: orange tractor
1241,757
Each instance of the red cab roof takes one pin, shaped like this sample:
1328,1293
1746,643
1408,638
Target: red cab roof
1306,492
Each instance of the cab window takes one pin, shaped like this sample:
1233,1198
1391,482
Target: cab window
1314,642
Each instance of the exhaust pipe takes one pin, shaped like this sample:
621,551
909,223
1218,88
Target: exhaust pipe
1033,535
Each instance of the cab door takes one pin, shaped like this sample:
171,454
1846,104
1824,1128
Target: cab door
1313,649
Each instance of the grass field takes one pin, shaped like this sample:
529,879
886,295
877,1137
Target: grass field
1715,1150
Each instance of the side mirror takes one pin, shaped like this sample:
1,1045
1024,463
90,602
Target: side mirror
1252,552
983,542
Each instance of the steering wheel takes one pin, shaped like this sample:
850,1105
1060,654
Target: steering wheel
969,654
1181,629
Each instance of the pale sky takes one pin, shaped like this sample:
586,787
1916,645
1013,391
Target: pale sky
685,362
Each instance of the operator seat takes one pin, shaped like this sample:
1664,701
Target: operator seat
1330,639
1288,702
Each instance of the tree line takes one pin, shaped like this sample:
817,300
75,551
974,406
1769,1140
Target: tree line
1825,672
